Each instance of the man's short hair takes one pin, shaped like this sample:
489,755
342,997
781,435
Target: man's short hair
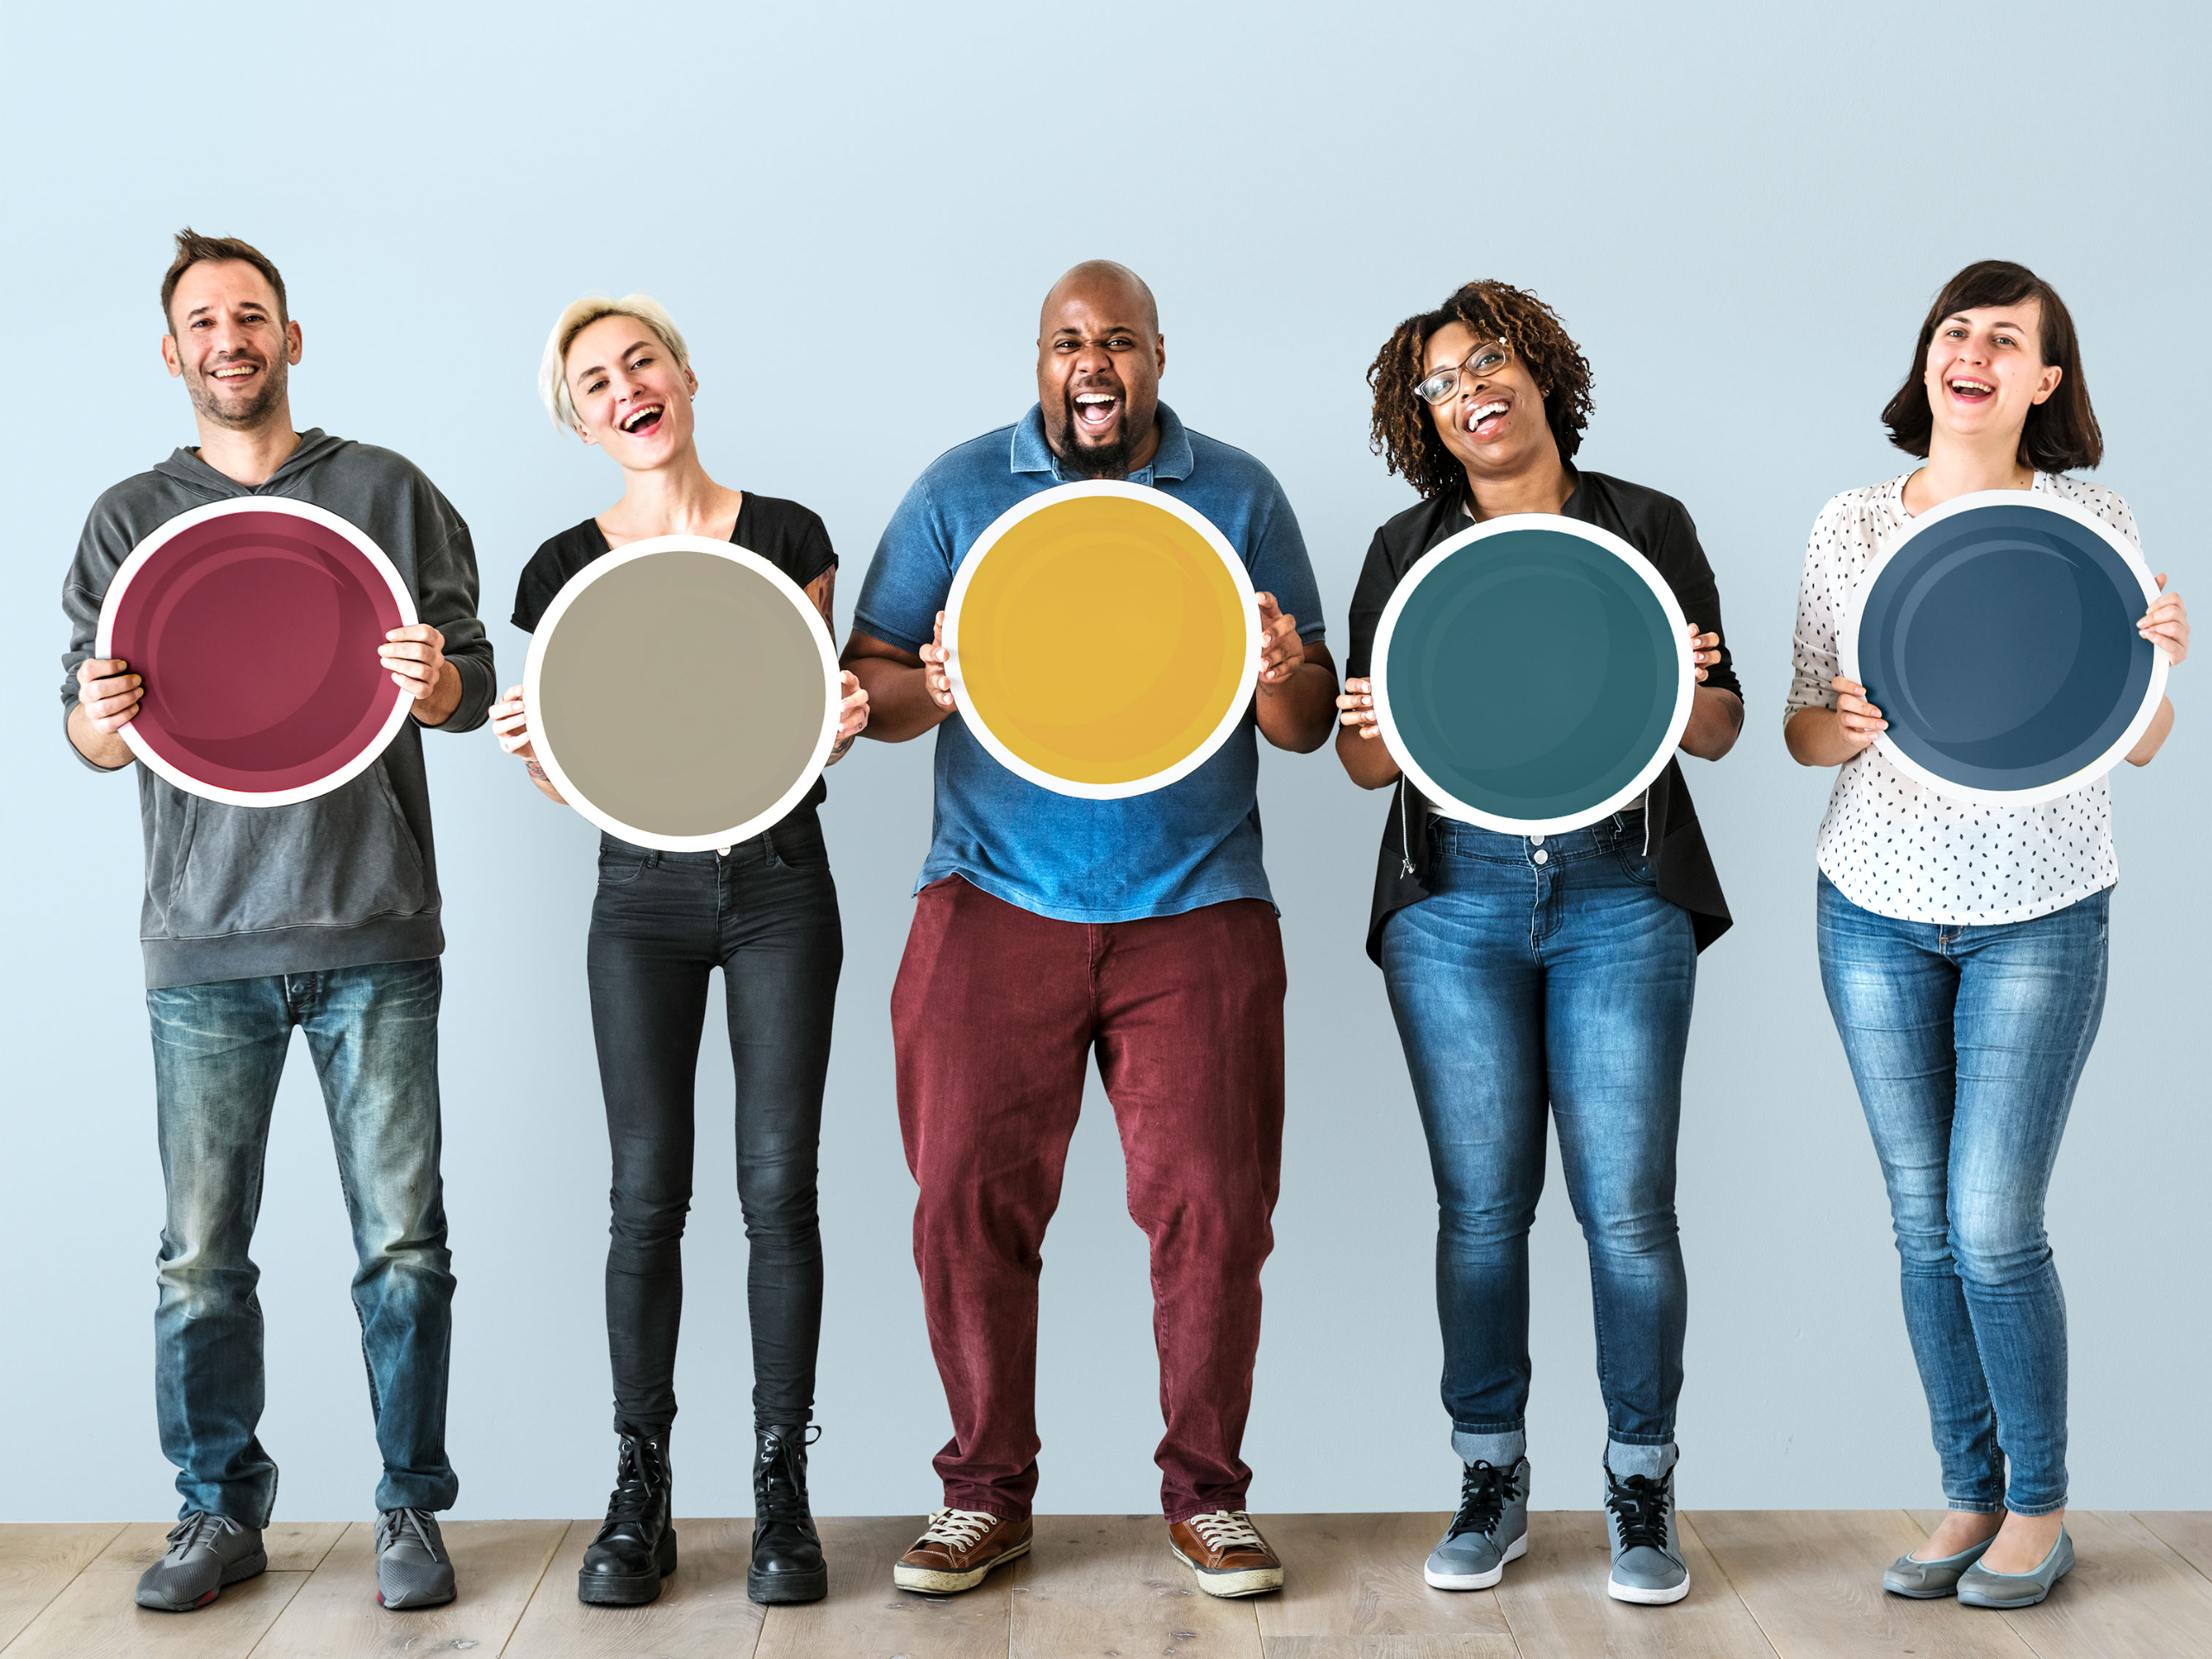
194,248
580,315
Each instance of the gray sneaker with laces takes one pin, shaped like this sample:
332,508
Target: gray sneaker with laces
1491,1529
1648,1566
205,1553
413,1569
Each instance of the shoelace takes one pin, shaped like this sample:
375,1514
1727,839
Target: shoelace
194,1527
959,1527
1227,1529
1640,1505
636,1473
1485,1490
778,1493
393,1523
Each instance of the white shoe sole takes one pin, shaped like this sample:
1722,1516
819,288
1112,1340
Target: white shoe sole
1643,1598
948,1583
1514,1552
1253,1582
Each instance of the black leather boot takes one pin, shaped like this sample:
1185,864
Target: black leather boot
636,1549
787,1563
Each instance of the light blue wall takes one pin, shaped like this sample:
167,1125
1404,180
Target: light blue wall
1742,212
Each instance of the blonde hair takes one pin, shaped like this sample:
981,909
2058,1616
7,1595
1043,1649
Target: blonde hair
580,315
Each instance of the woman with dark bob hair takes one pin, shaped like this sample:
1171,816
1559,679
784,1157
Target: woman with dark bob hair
1963,945
1528,972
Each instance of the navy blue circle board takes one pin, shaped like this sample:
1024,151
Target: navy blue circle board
1532,674
1998,639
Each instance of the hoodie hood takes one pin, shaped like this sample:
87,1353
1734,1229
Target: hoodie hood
315,447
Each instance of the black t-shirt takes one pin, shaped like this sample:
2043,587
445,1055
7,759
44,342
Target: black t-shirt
1657,526
790,536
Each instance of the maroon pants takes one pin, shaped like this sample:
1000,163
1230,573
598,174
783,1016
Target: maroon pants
994,1016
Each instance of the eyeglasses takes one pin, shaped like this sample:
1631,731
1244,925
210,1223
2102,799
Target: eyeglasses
1485,360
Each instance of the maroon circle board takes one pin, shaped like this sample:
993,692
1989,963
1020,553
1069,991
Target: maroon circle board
256,624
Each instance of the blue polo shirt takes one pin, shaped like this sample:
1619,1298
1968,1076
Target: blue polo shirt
1196,841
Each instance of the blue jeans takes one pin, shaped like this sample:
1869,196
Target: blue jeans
218,1051
1549,972
1966,1043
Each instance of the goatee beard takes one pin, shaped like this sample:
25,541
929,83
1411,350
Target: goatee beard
241,417
1096,460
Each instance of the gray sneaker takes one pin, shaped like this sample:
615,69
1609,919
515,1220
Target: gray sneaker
206,1552
1648,1567
1491,1529
413,1569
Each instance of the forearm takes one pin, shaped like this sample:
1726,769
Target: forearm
545,783
1298,714
2154,736
1815,738
899,703
437,709
106,750
1365,760
1716,719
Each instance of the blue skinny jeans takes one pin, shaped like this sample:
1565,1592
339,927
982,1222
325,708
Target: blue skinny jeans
219,1052
1967,1042
1547,972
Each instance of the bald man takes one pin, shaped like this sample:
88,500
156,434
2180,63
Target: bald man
1047,928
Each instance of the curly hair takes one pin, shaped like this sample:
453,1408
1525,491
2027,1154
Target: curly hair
1404,431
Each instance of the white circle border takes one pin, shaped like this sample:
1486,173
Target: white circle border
629,553
1248,679
2081,776
104,642
1685,682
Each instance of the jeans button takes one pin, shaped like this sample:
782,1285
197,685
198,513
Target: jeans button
1542,857
1536,840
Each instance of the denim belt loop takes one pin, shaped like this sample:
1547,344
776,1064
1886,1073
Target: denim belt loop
652,859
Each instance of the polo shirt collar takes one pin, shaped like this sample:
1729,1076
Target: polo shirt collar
1174,460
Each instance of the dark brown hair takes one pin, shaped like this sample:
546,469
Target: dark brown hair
2062,430
194,248
1402,430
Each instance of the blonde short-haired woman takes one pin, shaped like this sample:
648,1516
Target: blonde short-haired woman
618,374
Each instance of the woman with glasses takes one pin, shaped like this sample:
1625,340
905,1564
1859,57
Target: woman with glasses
1535,972
765,912
1963,945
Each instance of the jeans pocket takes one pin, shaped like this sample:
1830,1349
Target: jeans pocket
1636,865
620,868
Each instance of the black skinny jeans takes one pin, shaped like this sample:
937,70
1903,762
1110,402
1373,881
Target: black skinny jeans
766,915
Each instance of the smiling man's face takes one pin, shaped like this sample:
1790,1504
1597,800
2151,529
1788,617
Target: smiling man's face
1099,358
230,342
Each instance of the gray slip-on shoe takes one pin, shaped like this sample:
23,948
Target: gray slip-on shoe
1980,1588
205,1553
1938,1576
413,1569
1491,1529
1648,1565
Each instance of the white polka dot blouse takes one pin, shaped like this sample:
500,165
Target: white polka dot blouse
1891,844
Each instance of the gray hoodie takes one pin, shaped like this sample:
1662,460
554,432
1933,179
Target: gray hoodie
346,878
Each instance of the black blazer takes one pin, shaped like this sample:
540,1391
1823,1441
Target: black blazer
1658,527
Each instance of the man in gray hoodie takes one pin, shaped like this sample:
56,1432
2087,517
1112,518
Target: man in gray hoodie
323,915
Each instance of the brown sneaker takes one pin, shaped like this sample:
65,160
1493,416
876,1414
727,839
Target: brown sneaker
958,1548
1227,1553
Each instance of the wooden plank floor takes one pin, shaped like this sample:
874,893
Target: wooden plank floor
1764,1585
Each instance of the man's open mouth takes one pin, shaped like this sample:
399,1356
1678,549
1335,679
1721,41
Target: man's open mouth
1095,411
230,374
639,422
1487,418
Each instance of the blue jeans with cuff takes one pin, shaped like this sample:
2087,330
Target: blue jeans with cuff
218,1053
1967,1042
1545,973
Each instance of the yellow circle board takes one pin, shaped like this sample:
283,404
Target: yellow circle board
1103,639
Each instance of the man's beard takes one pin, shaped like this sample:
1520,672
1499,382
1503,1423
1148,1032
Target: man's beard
240,416
1100,460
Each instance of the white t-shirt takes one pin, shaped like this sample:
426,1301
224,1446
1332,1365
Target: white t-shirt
1891,844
